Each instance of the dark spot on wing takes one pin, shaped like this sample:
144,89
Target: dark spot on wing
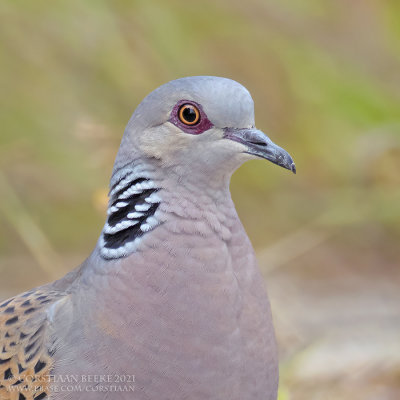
39,366
12,320
8,374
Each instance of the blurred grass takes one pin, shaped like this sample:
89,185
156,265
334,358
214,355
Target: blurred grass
325,79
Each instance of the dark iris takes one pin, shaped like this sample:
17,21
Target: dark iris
189,114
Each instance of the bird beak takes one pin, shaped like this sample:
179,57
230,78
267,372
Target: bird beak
261,145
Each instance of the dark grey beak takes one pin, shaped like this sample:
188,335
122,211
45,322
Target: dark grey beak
261,145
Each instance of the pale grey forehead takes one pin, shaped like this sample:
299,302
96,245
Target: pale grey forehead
226,102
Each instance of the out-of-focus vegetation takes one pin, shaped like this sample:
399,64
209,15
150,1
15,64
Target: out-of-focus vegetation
325,77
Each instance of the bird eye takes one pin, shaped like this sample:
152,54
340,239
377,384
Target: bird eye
189,114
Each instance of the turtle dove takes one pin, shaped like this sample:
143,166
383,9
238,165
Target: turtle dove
171,303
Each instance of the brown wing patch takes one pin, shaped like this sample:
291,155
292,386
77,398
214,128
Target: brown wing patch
25,348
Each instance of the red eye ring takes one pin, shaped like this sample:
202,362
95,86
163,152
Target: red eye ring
189,114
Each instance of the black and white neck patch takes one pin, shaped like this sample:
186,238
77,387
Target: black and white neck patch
133,203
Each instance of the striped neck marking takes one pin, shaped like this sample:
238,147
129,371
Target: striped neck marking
133,203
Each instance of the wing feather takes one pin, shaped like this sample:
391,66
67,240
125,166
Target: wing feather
25,346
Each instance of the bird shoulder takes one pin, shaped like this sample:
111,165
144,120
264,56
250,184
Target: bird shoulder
26,347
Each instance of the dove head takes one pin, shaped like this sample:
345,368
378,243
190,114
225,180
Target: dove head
197,127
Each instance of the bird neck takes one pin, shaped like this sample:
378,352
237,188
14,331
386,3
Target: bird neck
141,201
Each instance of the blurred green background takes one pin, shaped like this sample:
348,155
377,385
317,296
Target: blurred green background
325,77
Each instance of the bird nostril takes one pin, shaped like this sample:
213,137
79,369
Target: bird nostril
258,143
